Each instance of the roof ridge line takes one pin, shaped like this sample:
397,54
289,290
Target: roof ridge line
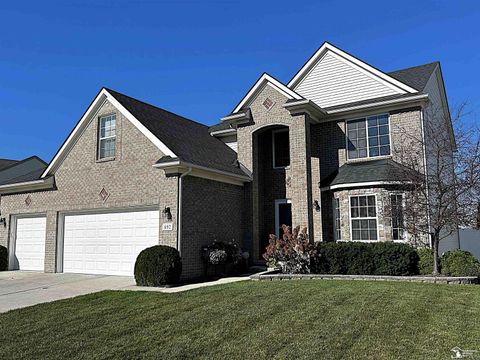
157,107
415,66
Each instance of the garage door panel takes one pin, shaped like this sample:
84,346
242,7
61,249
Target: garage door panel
108,243
30,243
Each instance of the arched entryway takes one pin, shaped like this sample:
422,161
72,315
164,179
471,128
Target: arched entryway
271,173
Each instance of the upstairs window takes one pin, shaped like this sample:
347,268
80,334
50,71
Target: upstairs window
281,148
368,137
107,137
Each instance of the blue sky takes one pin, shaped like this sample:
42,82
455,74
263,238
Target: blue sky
198,58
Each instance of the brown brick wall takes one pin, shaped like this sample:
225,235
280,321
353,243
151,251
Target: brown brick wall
130,180
211,211
293,182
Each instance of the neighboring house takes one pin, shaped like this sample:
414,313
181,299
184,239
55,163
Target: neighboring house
317,152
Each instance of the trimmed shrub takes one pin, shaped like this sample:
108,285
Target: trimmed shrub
355,258
425,264
395,259
460,263
158,265
3,258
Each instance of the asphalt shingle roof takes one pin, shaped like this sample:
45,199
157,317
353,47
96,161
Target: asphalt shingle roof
416,76
190,141
31,176
367,171
5,163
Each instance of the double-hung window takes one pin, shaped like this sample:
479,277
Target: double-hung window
107,137
396,201
336,215
363,215
368,137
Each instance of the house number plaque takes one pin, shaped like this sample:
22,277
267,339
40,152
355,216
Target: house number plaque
167,227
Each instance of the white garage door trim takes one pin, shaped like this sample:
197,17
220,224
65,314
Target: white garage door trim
130,220
38,263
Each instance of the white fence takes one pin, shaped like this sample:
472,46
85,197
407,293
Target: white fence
470,241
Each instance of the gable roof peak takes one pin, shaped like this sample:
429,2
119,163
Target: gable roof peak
266,78
352,60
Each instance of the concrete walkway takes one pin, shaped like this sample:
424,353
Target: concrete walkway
176,289
20,289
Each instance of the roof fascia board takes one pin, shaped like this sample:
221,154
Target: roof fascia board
441,85
421,98
96,104
237,117
357,63
222,133
155,140
360,184
181,164
27,186
305,106
274,83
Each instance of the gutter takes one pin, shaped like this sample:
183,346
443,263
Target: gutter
379,103
359,184
179,210
199,167
27,185
223,132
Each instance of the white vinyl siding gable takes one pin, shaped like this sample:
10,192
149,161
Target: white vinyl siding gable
333,81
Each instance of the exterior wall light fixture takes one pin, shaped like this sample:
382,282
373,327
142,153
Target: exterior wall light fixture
167,214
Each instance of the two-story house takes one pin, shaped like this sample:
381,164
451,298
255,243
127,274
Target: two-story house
319,151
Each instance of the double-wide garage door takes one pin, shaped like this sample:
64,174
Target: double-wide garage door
93,243
107,243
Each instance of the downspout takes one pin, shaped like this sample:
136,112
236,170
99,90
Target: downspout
426,175
179,209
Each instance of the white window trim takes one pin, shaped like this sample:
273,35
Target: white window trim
368,157
277,213
335,229
405,233
100,138
358,218
273,148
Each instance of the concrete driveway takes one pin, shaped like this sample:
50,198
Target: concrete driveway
23,288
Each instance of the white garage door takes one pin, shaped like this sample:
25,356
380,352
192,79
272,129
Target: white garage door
108,243
30,243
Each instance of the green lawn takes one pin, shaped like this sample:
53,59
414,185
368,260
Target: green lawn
252,320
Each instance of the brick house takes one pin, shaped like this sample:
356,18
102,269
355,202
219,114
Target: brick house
317,152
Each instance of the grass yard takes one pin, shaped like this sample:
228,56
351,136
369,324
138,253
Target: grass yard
252,320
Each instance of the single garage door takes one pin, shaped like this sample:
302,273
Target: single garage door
108,243
30,243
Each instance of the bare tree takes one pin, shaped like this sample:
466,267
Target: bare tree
439,170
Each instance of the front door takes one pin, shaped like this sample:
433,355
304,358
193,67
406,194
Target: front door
283,215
